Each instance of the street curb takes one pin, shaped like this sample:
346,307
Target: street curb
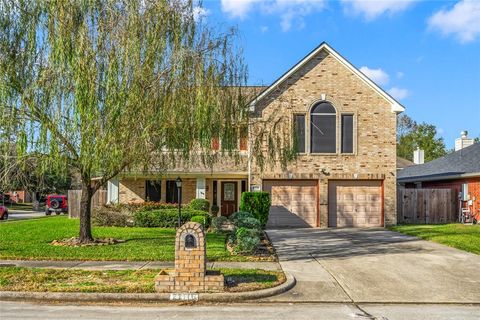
146,297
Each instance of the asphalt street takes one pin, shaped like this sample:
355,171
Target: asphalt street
279,311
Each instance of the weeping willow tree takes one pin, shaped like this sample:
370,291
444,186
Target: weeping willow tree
99,87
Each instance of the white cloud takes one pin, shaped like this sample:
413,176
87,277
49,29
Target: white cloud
199,13
398,93
290,12
400,74
378,76
263,29
462,21
371,9
238,8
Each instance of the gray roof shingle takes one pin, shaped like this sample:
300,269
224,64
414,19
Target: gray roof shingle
460,162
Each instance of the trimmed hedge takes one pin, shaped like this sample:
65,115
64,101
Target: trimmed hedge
164,218
257,203
203,220
199,204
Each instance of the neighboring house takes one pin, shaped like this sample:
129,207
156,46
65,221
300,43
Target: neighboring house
20,196
345,173
459,168
402,163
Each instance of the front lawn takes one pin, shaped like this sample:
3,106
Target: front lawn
463,237
30,239
126,281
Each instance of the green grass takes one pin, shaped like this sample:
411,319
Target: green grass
30,239
463,237
126,281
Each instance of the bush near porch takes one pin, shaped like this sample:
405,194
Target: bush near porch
31,239
463,237
257,203
148,214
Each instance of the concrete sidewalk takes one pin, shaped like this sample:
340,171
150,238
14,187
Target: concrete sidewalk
131,265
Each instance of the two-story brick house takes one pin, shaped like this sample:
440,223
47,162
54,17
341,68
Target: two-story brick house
345,173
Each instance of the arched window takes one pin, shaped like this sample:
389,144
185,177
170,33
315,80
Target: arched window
323,129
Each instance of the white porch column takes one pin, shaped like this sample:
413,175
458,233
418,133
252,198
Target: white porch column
112,191
201,188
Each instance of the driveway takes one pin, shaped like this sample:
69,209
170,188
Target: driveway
24,214
374,265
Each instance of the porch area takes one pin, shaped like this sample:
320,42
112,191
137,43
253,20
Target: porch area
222,190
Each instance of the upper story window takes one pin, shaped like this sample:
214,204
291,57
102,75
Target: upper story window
323,130
347,133
299,131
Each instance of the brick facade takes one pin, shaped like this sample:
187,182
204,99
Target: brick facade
323,77
374,154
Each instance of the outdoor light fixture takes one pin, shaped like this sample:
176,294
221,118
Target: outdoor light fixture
178,183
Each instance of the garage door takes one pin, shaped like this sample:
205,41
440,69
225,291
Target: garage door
294,203
355,203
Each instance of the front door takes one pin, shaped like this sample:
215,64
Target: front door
229,198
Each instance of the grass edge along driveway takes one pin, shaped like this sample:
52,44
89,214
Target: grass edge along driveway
456,235
30,240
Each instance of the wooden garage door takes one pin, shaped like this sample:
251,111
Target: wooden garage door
294,203
355,203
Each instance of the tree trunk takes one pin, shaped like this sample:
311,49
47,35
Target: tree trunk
85,213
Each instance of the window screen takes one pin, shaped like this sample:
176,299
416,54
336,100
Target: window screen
347,133
323,128
299,123
323,133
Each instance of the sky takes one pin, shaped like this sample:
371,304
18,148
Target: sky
424,53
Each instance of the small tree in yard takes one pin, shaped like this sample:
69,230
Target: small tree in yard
98,87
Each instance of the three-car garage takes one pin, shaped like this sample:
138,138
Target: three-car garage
351,203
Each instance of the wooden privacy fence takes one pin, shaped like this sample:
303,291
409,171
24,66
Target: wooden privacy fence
424,206
74,196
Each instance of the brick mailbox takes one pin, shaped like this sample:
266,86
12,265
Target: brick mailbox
190,274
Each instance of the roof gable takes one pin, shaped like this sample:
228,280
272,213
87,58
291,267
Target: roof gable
395,105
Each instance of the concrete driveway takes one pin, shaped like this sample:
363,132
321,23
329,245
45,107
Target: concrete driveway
374,265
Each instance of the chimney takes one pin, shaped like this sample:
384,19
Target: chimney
463,141
418,156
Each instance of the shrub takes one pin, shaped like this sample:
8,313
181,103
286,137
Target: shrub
151,205
203,220
249,223
199,204
257,203
164,218
217,223
112,216
246,240
239,215
215,209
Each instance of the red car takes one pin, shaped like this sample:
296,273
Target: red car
56,203
3,213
